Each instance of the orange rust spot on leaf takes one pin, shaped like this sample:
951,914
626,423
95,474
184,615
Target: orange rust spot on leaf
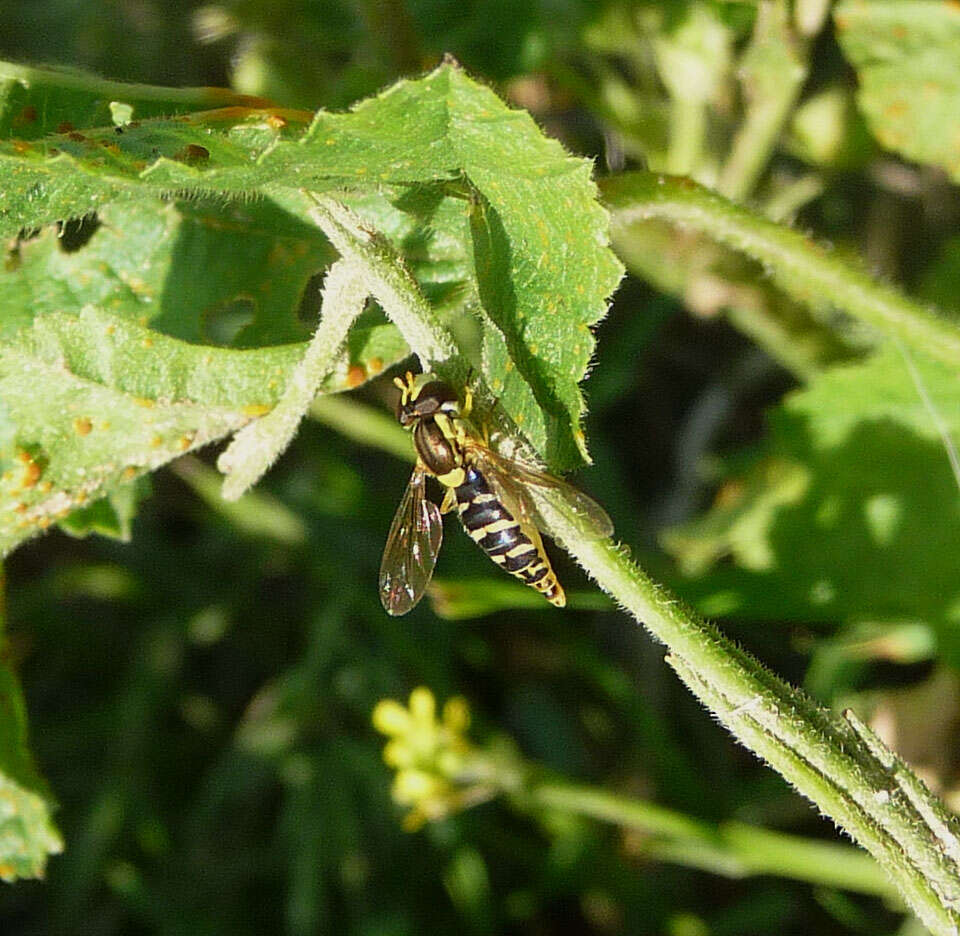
46,487
148,342
21,146
21,507
145,402
31,474
184,442
82,426
129,473
156,441
276,121
256,409
375,365
43,522
356,375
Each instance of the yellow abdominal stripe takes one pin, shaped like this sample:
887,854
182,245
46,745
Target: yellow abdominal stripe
494,527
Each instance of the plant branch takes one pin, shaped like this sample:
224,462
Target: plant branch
827,760
392,285
688,126
802,268
733,849
773,71
838,764
363,424
257,446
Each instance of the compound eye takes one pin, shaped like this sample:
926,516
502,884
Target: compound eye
434,396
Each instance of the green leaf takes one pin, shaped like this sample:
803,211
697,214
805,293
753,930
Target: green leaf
462,191
27,832
542,266
91,401
907,57
199,271
537,236
72,174
36,100
850,511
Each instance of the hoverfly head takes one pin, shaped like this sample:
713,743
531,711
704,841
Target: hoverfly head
424,400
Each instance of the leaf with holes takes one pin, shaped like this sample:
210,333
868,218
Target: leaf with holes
521,209
88,402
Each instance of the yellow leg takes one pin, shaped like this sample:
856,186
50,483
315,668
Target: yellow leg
449,501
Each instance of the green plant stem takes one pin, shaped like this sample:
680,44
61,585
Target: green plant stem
825,759
390,282
255,514
688,125
838,764
801,267
193,98
258,445
785,203
733,849
774,69
709,278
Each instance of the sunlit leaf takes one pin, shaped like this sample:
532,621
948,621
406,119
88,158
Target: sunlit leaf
907,57
850,513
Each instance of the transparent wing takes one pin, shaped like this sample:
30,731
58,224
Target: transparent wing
412,548
511,476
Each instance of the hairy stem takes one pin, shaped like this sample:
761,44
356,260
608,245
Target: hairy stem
688,125
257,446
802,268
836,763
875,799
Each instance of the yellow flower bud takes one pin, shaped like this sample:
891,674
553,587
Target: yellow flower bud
391,718
423,706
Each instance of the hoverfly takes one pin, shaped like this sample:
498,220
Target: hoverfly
488,491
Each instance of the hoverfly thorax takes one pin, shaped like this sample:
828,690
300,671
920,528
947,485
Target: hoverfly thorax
436,451
418,409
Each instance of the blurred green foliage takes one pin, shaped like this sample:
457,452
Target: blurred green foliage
200,697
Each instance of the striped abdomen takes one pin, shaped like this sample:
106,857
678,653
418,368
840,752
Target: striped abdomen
503,538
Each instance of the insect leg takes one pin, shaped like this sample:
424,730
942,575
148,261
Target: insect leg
449,501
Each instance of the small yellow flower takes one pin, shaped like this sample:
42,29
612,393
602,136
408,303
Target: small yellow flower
439,771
